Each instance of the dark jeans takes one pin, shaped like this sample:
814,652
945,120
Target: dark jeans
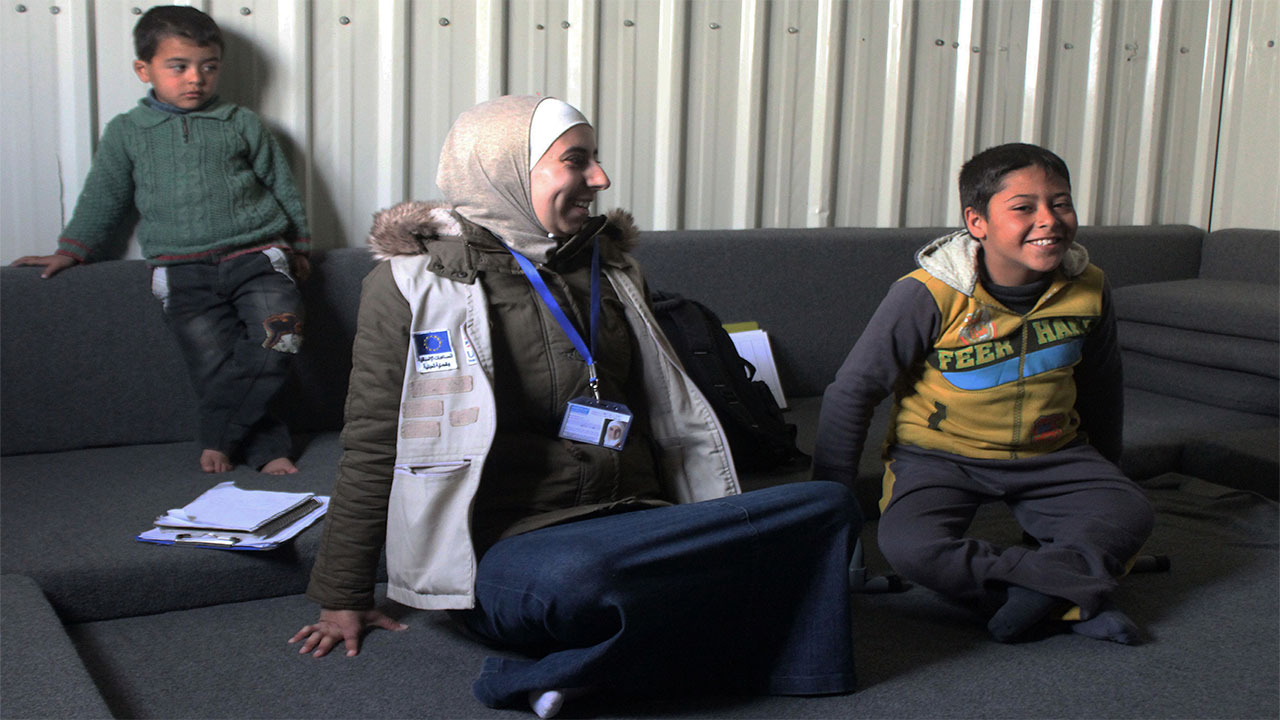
748,593
1089,519
238,325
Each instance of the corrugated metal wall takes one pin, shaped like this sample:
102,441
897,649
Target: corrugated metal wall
710,113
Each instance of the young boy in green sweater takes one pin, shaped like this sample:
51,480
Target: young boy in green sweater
220,222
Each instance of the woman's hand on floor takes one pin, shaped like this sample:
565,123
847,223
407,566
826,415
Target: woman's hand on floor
345,626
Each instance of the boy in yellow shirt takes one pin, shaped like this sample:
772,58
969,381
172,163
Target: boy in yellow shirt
1001,352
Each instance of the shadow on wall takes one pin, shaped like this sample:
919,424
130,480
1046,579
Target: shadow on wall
245,71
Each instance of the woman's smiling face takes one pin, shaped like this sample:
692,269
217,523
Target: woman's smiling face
565,180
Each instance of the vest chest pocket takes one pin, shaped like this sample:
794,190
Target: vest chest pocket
416,488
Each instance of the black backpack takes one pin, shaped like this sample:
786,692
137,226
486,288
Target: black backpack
758,435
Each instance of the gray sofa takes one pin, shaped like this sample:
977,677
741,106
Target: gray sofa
96,427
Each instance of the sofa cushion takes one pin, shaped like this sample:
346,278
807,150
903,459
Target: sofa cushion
1157,428
232,661
927,656
1229,352
1248,460
1224,307
1229,389
86,359
769,275
40,672
69,521
1140,254
1240,254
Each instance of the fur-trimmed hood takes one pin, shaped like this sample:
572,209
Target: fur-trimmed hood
405,229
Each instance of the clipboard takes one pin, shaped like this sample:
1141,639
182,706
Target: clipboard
268,537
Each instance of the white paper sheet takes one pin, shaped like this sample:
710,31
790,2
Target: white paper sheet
232,540
227,507
754,347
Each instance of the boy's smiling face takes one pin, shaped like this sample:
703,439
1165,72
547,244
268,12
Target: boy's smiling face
182,73
1028,226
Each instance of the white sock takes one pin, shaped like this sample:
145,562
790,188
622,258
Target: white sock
546,704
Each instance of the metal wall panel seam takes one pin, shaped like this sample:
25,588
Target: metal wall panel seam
1086,184
780,144
701,120
826,104
393,91
893,126
76,107
341,84
749,124
583,66
1034,75
1207,123
294,38
1148,151
616,117
963,112
668,141
491,58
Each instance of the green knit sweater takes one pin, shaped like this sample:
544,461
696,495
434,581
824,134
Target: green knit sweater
205,183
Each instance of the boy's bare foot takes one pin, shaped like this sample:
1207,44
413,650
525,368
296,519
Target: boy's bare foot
280,466
212,461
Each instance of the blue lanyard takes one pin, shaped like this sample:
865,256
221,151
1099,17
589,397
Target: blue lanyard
535,278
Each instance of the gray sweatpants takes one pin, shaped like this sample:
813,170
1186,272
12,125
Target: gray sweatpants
1089,519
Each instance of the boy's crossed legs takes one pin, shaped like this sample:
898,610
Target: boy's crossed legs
1088,517
237,323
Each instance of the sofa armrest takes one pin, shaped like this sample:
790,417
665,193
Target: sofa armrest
40,671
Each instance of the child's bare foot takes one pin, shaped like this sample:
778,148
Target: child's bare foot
212,461
280,466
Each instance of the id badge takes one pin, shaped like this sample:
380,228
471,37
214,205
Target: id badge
598,422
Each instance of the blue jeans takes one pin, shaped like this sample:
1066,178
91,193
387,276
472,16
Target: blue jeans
748,593
238,325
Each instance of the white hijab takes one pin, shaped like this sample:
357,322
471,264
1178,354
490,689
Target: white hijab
485,164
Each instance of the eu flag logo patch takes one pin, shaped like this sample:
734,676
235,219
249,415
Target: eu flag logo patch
433,351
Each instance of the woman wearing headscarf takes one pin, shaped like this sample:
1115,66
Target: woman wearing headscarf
521,437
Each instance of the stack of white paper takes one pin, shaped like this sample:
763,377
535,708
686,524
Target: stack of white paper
229,517
754,347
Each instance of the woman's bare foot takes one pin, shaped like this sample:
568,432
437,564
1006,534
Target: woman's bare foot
212,461
280,466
